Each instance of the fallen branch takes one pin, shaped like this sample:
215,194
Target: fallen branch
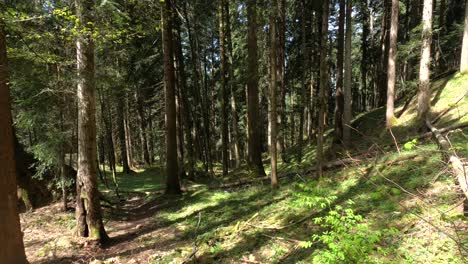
457,168
195,244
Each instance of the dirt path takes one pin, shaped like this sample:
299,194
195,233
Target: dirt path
136,235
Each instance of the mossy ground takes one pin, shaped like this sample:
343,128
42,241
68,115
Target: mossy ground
250,223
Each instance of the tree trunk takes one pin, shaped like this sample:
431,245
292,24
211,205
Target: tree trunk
347,114
142,125
273,95
121,133
323,86
392,56
424,95
304,84
253,109
87,168
281,30
364,59
339,101
186,107
464,54
224,90
172,177
233,89
12,249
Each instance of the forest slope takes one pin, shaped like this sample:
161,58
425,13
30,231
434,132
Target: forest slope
393,205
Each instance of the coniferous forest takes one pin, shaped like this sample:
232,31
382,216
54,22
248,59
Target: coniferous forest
233,131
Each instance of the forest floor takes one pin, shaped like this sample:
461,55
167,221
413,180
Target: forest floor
405,195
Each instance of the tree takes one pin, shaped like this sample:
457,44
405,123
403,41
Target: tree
339,76
323,86
172,174
392,55
424,67
348,74
224,84
12,249
253,109
464,54
273,94
88,208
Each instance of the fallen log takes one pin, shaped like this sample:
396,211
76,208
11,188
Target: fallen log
457,166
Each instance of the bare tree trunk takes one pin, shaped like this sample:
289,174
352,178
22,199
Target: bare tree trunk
339,100
12,249
424,67
392,56
273,95
121,133
224,89
347,114
323,86
172,176
87,167
304,84
281,30
253,109
233,89
464,54
185,106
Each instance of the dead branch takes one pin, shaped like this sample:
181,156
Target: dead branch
457,166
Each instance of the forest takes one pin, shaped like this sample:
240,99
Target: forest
233,131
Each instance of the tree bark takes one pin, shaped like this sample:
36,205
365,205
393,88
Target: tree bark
172,176
253,109
12,249
424,95
392,55
339,100
273,96
87,168
224,89
323,86
347,114
233,89
464,54
121,133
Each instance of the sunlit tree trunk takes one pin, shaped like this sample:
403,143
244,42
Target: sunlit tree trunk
88,204
392,55
425,64
172,176
12,248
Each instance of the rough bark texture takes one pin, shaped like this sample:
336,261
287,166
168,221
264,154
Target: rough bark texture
87,193
391,74
339,100
253,109
323,86
464,54
273,96
12,248
172,177
347,114
424,94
